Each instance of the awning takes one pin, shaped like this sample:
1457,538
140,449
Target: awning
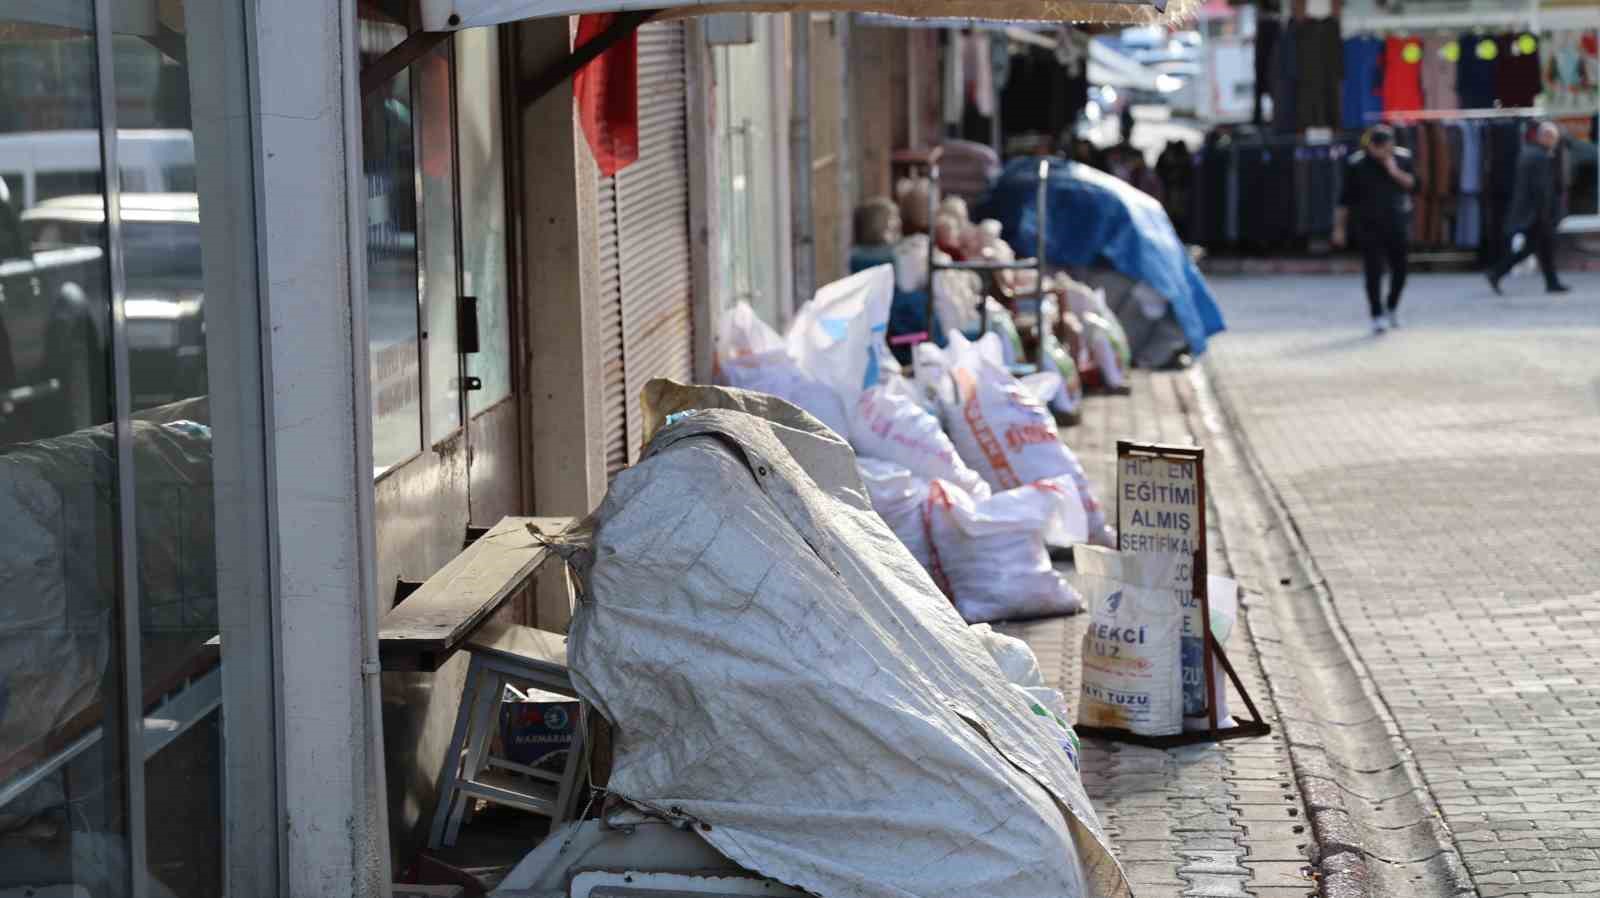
1111,67
443,15
1108,66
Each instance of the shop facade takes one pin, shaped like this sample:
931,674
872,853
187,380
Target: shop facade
284,325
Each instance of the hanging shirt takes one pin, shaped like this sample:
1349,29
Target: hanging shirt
1362,68
955,80
1268,29
1475,73
1440,55
1517,78
1286,80
1402,74
979,73
1321,51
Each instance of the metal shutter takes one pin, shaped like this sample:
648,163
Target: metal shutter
614,387
652,200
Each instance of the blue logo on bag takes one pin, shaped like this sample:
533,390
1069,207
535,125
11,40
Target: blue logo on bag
1113,601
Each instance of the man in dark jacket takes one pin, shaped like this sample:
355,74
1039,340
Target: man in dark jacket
1378,184
1535,211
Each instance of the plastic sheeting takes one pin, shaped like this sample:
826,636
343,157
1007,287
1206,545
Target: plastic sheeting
59,578
780,673
1096,218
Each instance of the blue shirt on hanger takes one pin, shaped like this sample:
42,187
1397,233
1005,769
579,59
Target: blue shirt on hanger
1363,105
1475,74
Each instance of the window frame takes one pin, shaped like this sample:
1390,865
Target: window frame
506,121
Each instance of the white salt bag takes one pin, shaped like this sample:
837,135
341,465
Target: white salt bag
989,556
839,336
1006,433
1132,669
751,356
889,423
898,497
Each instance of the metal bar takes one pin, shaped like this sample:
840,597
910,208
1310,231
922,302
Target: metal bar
132,697
1018,265
185,708
1201,590
1227,667
416,45
31,776
623,25
803,223
1040,252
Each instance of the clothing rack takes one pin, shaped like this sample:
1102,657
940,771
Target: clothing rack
1457,115
1530,18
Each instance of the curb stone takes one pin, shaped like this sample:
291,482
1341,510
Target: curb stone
1378,831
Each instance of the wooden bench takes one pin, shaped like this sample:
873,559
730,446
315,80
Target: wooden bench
434,621
454,611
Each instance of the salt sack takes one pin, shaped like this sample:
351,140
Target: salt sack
989,556
898,497
998,426
1132,666
890,423
1005,432
1015,659
752,356
838,338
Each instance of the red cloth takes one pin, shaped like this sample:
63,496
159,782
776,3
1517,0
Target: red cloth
1402,74
607,94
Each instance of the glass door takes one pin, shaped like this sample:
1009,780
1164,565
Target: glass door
136,660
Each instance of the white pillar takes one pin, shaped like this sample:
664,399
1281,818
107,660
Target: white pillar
312,222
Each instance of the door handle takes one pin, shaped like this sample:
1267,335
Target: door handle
467,325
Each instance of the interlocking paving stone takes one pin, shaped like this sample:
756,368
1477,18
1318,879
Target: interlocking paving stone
1444,478
1204,806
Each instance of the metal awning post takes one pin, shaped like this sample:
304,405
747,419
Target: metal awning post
623,25
414,47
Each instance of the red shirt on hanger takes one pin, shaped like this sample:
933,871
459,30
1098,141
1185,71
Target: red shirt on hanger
1402,74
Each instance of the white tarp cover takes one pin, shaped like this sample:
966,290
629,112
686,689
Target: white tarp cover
443,15
780,671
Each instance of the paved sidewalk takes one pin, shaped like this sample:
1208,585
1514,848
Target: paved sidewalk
1444,478
1213,820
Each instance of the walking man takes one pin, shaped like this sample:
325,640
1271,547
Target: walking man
1378,183
1535,211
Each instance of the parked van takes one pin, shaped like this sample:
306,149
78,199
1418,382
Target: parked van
43,165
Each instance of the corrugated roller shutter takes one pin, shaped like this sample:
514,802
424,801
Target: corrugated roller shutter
652,200
614,389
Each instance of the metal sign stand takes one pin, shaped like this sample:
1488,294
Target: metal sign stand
1216,730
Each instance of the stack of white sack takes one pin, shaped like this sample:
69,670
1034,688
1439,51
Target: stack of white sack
890,423
834,349
989,555
752,356
1002,429
898,496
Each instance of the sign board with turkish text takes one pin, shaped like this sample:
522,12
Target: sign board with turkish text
1161,502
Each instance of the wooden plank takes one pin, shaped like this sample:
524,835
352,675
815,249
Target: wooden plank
433,622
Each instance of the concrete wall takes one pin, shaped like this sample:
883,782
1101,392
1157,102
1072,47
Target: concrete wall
562,373
877,105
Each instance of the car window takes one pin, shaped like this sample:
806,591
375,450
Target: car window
162,249
53,233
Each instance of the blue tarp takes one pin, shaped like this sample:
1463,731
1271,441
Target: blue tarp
1097,219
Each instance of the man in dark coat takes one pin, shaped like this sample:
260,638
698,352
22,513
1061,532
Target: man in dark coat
1376,209
1535,211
